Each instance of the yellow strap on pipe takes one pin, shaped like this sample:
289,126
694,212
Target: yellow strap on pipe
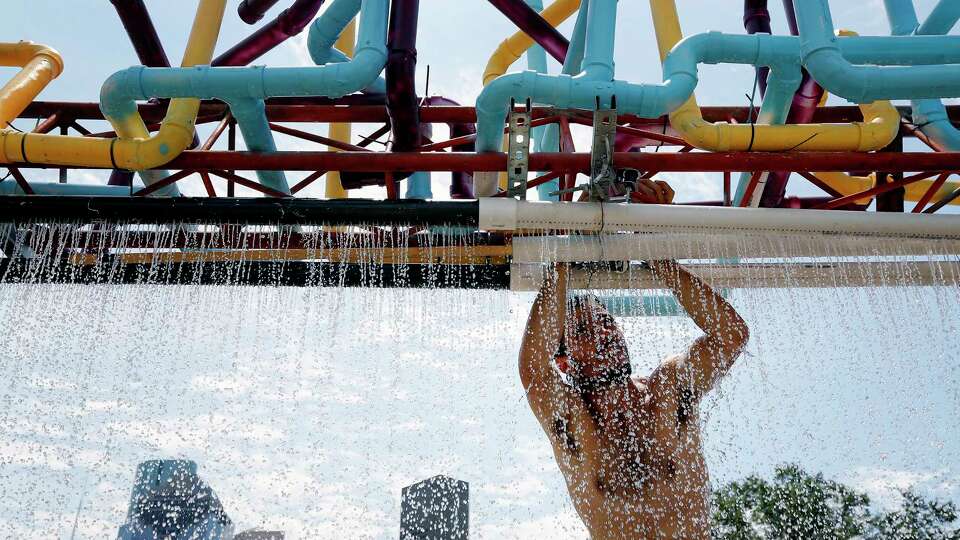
512,48
880,126
341,132
40,65
135,149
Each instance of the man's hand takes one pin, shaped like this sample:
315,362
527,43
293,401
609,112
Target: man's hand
652,192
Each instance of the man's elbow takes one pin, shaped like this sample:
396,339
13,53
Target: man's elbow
737,337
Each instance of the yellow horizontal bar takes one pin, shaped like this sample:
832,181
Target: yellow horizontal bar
455,255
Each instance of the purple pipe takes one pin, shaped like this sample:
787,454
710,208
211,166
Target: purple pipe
756,20
805,102
402,104
251,11
527,19
143,35
287,24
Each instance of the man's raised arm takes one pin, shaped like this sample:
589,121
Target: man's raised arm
725,332
543,332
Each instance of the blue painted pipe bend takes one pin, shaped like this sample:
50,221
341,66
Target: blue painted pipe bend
245,88
647,100
906,79
929,114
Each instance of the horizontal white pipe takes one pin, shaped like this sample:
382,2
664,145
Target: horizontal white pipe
700,245
528,277
504,214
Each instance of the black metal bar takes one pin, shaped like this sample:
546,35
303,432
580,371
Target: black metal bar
263,273
264,211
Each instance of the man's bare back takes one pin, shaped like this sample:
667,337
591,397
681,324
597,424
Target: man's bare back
628,447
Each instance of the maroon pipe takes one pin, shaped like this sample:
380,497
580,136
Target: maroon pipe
287,24
403,107
251,11
805,102
756,20
527,19
143,35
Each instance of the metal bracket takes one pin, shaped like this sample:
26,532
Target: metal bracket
518,150
602,174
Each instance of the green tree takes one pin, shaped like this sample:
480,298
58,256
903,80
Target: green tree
917,519
796,504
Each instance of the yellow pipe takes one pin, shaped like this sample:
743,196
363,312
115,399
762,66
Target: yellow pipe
848,184
451,255
40,65
341,131
512,48
879,128
134,149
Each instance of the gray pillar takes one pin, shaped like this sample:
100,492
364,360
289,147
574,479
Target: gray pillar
435,509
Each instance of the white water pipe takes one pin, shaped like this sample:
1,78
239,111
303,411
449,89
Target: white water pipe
503,214
529,277
686,245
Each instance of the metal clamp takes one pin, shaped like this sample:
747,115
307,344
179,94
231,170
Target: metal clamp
518,150
603,176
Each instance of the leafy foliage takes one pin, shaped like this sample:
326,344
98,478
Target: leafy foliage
797,504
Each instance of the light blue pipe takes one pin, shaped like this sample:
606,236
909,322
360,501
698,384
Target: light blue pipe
943,17
929,114
572,64
782,84
906,79
647,100
582,90
243,87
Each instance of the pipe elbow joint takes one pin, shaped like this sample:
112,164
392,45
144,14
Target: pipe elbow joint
829,68
699,133
51,55
119,93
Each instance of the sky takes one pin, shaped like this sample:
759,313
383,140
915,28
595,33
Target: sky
309,410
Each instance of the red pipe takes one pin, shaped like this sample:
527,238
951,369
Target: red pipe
567,162
287,24
527,19
251,11
461,186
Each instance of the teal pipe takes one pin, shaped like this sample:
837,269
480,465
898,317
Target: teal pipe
580,91
782,84
907,78
929,114
647,100
418,186
941,20
243,88
251,116
572,64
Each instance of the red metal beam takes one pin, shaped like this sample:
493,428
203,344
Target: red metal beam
931,191
569,163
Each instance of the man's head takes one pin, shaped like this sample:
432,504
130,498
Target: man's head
594,344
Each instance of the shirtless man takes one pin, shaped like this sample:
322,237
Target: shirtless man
628,446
